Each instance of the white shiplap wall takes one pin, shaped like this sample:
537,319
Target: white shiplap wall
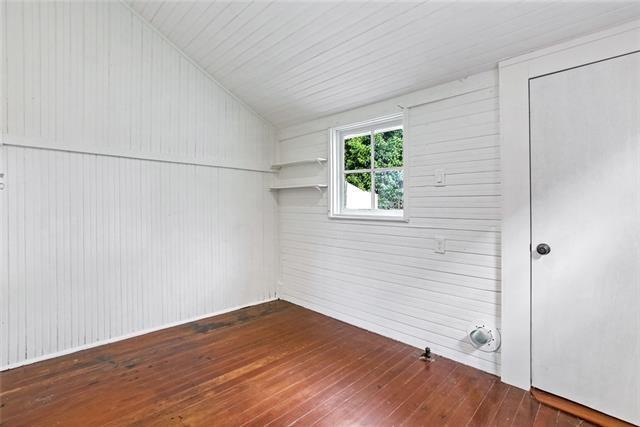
385,276
135,195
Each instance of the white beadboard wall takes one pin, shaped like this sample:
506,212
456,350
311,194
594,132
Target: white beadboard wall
385,276
93,77
135,193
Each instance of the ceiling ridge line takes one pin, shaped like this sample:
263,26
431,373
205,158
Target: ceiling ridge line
195,64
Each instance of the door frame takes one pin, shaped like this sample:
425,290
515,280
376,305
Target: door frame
4,217
514,76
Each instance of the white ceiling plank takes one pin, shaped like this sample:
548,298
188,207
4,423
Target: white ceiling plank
297,61
264,24
219,17
386,56
286,54
403,66
369,46
271,45
386,53
251,19
195,21
519,43
174,19
187,18
163,13
149,8
193,30
368,80
138,5
305,57
228,22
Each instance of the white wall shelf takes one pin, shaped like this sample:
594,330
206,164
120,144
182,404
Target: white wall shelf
318,187
318,160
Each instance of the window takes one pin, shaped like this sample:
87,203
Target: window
367,170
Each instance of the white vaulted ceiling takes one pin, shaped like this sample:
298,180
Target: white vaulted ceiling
295,61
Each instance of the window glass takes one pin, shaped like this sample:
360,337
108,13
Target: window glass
388,148
357,152
389,190
357,191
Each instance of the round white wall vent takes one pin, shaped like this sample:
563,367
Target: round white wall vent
484,336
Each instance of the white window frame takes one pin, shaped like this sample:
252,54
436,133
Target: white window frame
336,169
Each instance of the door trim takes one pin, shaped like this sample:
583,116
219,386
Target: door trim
514,79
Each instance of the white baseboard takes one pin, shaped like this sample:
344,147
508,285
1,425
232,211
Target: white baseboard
127,336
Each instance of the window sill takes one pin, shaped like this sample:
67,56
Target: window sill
370,217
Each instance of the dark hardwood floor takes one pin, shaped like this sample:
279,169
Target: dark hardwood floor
273,364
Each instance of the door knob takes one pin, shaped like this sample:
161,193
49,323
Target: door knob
543,249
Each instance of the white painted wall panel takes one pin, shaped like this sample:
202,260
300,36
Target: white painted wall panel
94,77
385,276
102,247
135,195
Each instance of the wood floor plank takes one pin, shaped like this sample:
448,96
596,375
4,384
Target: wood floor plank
295,372
145,388
527,411
273,364
546,417
163,370
437,410
232,380
125,354
366,400
343,409
164,339
471,401
488,409
420,395
378,411
292,414
566,420
296,387
330,404
294,397
508,408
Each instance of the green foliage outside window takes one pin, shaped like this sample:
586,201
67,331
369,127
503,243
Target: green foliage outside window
387,154
357,153
388,149
389,190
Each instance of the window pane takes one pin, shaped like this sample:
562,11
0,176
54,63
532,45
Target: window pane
389,190
357,152
357,191
388,148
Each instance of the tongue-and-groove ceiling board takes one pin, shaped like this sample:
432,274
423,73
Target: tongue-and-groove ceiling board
295,61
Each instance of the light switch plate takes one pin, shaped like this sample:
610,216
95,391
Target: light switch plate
441,177
440,245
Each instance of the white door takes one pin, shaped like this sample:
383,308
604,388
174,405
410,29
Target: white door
585,205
